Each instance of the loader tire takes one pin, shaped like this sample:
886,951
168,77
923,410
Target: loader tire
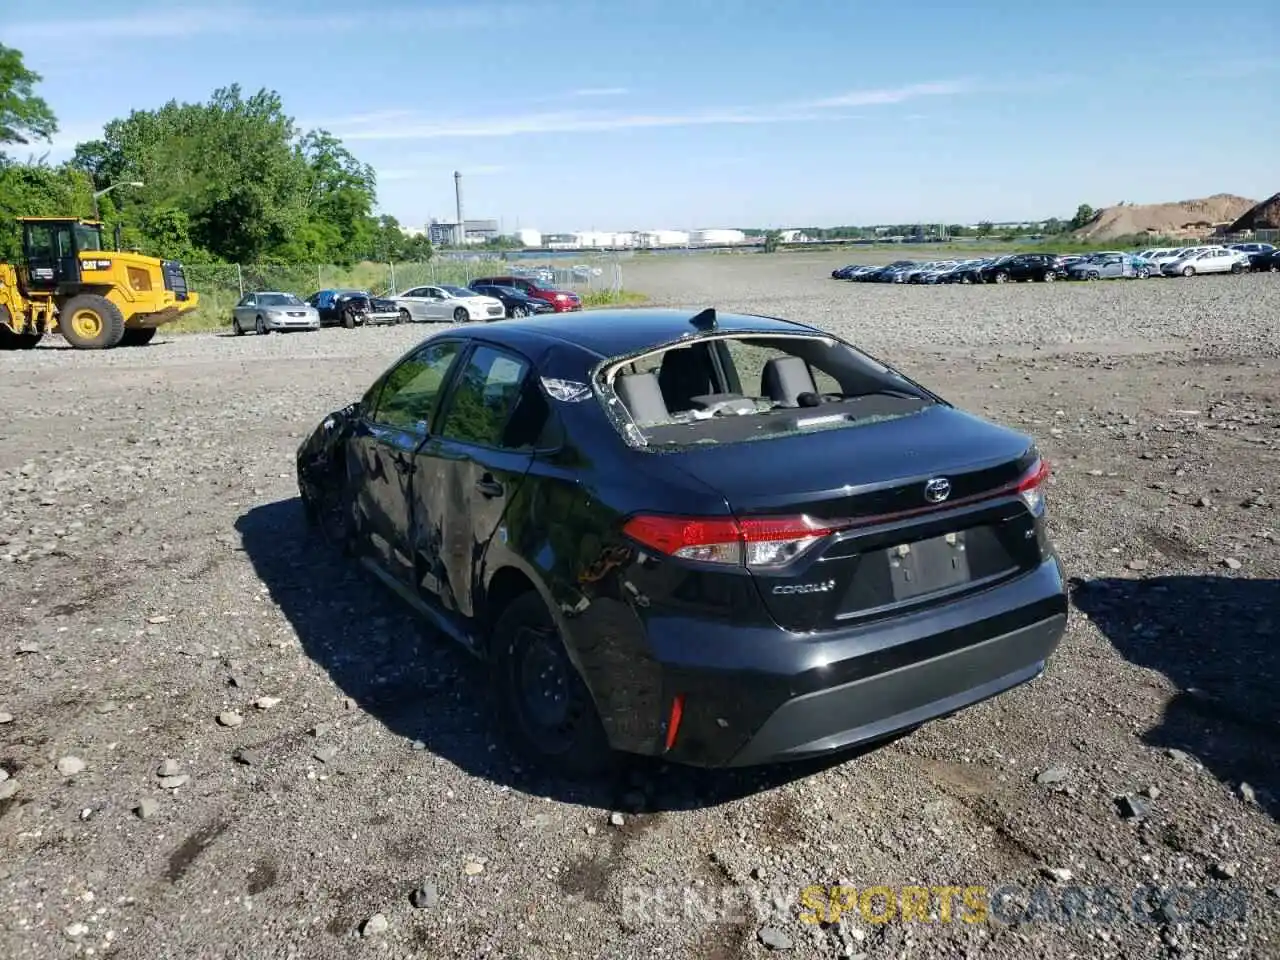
91,322
137,336
9,340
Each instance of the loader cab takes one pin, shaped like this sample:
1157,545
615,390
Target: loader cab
51,250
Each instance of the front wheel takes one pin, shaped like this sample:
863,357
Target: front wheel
1188,271
236,328
1092,275
1143,274
1002,277
544,704
1050,276
260,327
518,312
460,315
1237,268
403,317
91,322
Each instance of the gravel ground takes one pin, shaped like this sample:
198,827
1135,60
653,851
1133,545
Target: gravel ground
218,739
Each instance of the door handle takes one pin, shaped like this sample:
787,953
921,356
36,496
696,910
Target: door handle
489,487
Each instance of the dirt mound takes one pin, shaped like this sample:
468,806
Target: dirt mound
1263,216
1183,218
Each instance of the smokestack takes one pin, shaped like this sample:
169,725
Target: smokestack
457,193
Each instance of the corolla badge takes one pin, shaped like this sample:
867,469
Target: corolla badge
824,587
937,489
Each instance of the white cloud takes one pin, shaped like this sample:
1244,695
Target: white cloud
186,22
867,98
579,121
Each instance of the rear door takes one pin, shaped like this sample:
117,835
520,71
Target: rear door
384,447
473,466
50,255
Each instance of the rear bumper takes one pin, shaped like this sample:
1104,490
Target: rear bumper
755,695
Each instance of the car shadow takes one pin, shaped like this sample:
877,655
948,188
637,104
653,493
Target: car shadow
1215,639
421,686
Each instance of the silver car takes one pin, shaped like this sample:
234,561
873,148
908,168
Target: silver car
268,310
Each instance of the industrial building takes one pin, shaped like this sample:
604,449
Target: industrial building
716,238
445,233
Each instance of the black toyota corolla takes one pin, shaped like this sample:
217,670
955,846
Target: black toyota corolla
721,539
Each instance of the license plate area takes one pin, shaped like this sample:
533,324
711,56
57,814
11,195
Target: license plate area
927,566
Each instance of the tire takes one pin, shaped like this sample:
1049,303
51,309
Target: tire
137,336
404,317
15,341
260,327
1050,276
91,322
1274,268
1188,271
1002,277
235,327
1092,275
545,707
1144,273
518,312
460,315
348,319
1237,268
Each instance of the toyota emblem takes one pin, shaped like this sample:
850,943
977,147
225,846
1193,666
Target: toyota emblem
937,489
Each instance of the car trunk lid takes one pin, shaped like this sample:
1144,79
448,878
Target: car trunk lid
903,513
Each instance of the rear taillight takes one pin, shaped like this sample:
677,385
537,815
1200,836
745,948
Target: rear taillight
757,542
1031,487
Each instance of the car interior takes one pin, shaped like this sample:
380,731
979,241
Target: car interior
734,389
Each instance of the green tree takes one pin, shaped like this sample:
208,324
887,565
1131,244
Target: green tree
1084,213
985,228
771,240
23,115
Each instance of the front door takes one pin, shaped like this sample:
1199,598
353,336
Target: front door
50,254
477,460
385,445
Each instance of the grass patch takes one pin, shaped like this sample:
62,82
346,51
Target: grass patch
613,298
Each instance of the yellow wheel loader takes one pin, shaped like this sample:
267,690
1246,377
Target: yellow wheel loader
96,298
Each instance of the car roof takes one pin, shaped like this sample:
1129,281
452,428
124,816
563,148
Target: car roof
612,333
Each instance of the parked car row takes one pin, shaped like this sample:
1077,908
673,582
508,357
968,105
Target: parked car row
1048,267
486,299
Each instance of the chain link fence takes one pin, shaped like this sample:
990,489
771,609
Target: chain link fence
222,285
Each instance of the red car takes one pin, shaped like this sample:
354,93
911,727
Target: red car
562,300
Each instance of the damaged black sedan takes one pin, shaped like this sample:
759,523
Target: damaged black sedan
724,540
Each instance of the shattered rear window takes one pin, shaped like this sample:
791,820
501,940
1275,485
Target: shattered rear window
736,388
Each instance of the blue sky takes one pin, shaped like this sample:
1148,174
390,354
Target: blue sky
573,115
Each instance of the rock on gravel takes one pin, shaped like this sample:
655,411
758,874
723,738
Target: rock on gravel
424,896
6,717
774,939
70,766
374,926
147,808
175,781
8,788
168,768
230,718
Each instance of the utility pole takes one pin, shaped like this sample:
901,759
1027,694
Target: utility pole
457,195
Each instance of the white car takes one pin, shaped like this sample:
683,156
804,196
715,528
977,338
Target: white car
1207,260
448,303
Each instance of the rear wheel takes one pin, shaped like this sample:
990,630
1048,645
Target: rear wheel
543,702
460,315
518,312
137,336
1143,273
235,326
1237,268
1092,275
349,319
1002,277
91,322
1188,271
1050,276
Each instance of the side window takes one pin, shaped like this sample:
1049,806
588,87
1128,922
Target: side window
246,300
41,242
411,390
486,394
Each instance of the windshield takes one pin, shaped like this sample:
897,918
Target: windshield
751,387
88,238
458,291
278,300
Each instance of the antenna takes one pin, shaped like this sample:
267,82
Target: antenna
706,320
